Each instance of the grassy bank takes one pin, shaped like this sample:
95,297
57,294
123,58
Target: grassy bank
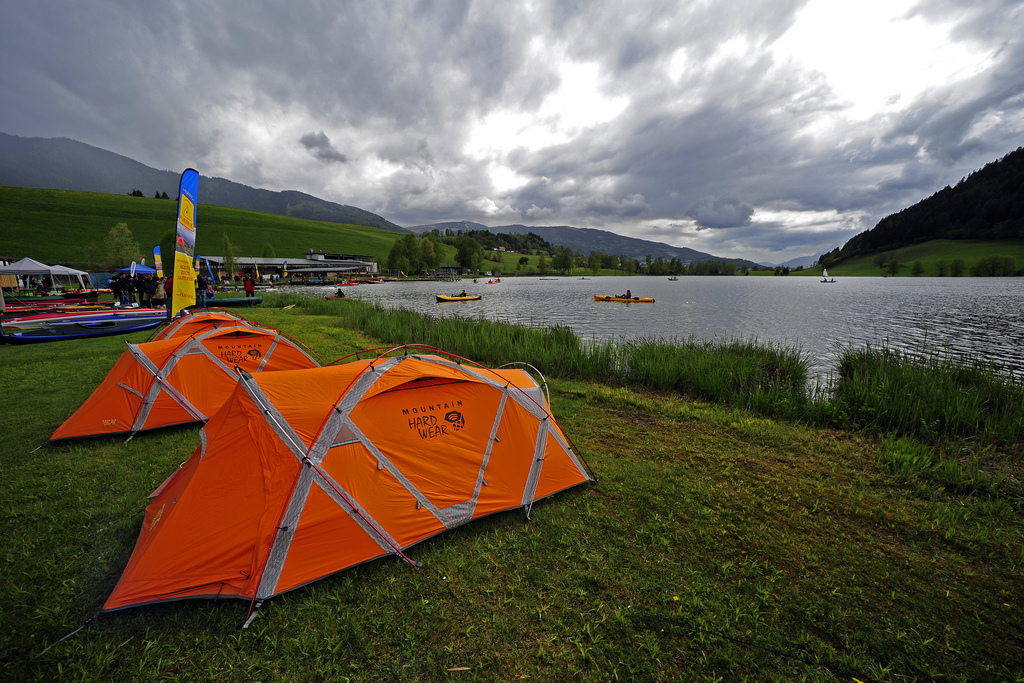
719,543
70,228
924,396
929,254
60,226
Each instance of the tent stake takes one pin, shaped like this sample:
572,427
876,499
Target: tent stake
87,622
252,614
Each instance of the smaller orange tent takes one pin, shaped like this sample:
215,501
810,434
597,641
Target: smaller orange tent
305,473
201,321
178,380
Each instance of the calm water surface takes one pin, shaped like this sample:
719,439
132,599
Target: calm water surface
969,317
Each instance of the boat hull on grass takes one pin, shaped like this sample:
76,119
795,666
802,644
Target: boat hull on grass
58,327
634,300
443,297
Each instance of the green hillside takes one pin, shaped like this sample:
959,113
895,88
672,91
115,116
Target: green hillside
70,228
987,205
929,254
60,226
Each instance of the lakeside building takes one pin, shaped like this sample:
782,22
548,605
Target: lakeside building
318,265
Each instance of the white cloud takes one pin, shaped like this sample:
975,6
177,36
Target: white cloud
739,127
577,105
877,55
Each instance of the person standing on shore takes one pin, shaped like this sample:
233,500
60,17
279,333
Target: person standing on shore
201,286
158,293
250,286
147,287
169,295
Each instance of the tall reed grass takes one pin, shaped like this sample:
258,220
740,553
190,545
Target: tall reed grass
767,378
555,351
929,396
926,396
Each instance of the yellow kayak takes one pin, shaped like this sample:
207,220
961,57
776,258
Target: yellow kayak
445,297
635,299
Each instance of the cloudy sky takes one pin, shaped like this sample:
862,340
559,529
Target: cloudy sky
764,129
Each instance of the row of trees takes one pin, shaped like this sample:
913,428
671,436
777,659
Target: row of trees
121,248
157,195
995,266
412,254
989,266
470,253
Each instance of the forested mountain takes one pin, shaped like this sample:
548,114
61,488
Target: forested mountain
586,240
986,205
64,164
521,243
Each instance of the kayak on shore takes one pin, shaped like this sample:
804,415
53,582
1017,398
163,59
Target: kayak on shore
59,326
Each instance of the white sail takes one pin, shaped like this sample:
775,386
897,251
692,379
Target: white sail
824,272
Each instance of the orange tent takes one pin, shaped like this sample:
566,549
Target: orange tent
178,380
202,321
304,473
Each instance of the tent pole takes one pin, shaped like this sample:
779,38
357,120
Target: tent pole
355,508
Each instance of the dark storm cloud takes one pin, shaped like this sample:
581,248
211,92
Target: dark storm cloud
719,144
319,145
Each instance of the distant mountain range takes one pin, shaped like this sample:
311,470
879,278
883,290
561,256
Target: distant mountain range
802,261
586,240
64,164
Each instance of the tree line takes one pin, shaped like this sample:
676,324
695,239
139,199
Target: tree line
156,195
986,205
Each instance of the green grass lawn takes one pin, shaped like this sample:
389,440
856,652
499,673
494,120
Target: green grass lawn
717,545
929,254
70,228
58,226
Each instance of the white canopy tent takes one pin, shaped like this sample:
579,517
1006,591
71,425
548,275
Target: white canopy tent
27,267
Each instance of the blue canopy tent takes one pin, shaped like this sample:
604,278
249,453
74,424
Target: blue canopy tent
139,270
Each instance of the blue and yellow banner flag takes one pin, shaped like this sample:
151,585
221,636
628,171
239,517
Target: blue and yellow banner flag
184,286
157,263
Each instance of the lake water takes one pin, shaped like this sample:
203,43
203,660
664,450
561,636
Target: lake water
969,317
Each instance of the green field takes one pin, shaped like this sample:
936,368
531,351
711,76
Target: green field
57,226
718,544
929,254
70,228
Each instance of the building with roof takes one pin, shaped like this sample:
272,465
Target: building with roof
318,265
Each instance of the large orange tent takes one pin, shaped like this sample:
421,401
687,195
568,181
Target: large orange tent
178,380
304,473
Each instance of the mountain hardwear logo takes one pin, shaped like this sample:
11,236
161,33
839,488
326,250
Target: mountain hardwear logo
456,419
239,353
429,427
